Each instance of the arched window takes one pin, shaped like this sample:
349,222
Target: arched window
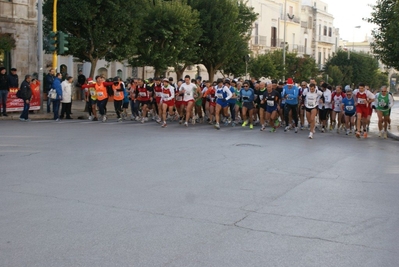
119,73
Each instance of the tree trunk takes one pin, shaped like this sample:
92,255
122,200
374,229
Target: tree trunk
211,72
180,71
93,67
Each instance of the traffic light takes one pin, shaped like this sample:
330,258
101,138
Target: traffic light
62,43
52,42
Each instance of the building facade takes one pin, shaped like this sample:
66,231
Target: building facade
18,20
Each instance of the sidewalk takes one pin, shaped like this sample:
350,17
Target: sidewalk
78,113
78,107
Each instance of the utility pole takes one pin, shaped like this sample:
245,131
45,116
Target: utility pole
285,27
40,49
55,30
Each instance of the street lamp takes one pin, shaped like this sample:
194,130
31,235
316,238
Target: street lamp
353,40
285,26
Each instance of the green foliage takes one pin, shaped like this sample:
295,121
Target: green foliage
262,66
386,39
336,75
380,79
7,42
97,28
361,67
169,37
226,24
299,68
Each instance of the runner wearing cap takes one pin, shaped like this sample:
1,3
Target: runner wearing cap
223,94
383,103
291,95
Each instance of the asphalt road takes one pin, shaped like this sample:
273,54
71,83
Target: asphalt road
80,193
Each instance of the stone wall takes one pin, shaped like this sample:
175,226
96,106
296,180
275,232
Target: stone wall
19,18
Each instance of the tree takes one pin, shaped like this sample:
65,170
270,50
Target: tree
97,29
303,68
361,67
225,23
170,34
335,74
262,66
386,39
7,42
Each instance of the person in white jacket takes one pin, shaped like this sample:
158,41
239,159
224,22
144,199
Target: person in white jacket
325,106
66,101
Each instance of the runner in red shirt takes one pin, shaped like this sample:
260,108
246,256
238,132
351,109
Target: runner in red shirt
363,98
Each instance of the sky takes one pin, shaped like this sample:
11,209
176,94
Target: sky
348,14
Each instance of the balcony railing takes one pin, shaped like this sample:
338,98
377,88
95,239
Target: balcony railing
258,40
326,39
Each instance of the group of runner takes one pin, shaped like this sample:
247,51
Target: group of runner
231,102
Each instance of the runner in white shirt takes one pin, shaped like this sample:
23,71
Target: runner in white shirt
188,89
312,99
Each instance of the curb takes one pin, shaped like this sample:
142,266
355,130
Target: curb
393,136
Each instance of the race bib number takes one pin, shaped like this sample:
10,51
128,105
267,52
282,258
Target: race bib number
337,103
361,101
158,94
100,93
117,94
261,97
92,93
382,104
311,103
270,103
349,108
142,94
165,95
220,96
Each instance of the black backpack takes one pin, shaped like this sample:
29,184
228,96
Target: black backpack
19,94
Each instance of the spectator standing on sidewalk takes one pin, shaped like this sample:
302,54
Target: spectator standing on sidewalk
26,96
81,81
66,101
4,89
56,102
48,83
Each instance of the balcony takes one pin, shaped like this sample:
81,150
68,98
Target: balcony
325,39
258,40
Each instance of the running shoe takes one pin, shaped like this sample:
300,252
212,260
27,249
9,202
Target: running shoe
217,126
210,122
347,132
119,119
310,135
142,120
322,130
251,126
273,130
186,124
296,129
389,126
277,123
233,124
379,134
357,134
164,124
226,123
262,128
21,119
90,117
180,121
385,135
244,123
365,135
28,120
95,119
158,120
287,128
104,118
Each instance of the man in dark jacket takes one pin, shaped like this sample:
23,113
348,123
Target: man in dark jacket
13,79
4,89
81,81
26,96
48,83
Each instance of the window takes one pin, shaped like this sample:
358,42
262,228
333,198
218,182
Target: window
325,31
330,31
306,46
256,30
319,58
319,29
273,39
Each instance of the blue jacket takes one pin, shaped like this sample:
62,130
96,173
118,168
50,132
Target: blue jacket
292,95
249,94
57,86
